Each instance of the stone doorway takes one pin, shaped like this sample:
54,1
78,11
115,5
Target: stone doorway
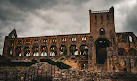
101,52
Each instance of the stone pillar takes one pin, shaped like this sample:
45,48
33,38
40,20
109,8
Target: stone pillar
22,51
78,49
39,50
58,51
48,50
31,51
112,55
14,51
68,50
90,54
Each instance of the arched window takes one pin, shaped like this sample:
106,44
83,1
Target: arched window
102,31
130,39
95,19
73,39
83,66
101,19
13,36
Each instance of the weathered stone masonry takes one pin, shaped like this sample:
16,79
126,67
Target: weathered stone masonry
100,50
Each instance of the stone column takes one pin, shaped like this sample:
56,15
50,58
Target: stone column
22,51
68,50
14,51
58,51
31,51
78,45
48,54
39,50
90,54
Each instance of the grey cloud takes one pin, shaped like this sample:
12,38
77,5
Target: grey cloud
131,20
29,5
48,17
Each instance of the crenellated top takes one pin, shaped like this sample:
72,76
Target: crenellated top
111,10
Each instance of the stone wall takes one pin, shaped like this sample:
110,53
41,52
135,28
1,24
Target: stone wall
45,72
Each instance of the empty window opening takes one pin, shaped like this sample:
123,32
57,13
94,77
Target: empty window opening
36,41
125,63
53,51
12,36
102,31
130,39
35,51
28,54
63,39
63,50
27,42
83,50
18,51
10,50
83,66
44,50
44,54
73,39
54,40
36,54
26,51
84,38
45,40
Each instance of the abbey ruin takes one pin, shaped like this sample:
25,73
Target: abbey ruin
100,50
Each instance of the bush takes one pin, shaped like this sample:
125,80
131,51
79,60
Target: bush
61,65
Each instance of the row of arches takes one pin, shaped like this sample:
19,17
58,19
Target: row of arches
52,51
123,52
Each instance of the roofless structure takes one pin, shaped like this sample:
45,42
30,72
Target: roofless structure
102,49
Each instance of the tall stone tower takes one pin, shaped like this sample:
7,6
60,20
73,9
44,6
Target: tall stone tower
102,29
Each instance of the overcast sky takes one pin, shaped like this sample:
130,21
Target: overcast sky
55,17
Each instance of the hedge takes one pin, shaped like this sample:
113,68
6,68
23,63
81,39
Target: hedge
61,65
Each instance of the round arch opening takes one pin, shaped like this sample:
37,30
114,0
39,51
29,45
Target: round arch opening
101,51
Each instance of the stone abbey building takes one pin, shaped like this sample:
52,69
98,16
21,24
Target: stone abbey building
100,50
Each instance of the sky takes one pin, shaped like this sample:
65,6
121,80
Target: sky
56,17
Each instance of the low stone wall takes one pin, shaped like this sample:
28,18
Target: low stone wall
12,74
43,71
